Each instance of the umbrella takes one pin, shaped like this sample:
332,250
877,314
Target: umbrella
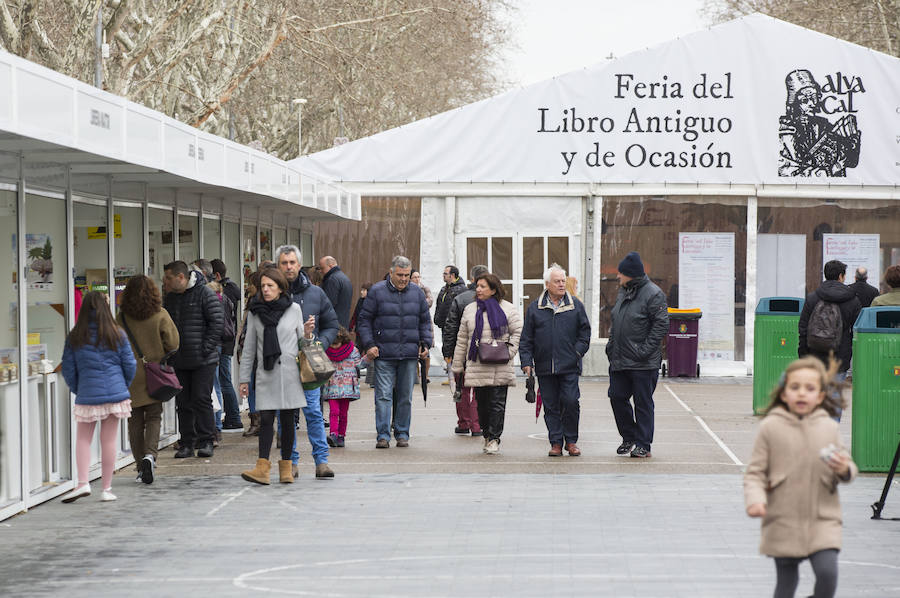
423,373
537,406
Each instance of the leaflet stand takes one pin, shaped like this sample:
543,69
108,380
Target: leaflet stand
879,506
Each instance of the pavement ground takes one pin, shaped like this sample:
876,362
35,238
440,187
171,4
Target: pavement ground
441,519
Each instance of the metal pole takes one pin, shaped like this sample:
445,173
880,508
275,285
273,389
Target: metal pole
299,102
98,47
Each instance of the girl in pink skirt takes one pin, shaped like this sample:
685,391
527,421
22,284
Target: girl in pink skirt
98,365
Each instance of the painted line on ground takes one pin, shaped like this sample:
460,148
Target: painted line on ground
230,498
703,425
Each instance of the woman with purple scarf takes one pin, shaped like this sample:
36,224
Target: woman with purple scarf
486,346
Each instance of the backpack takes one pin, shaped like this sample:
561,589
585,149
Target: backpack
228,327
825,328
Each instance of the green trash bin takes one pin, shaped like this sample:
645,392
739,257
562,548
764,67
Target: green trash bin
876,388
775,343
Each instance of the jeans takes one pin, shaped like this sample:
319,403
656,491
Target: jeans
218,390
634,425
315,426
560,394
391,374
225,390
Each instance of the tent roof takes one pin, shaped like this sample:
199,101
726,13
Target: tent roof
705,108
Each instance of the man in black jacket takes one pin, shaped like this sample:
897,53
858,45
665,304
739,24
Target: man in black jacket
466,406
640,320
555,337
834,290
865,292
199,317
453,286
229,396
338,289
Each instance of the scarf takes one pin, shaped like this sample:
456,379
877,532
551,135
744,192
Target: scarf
496,320
339,354
269,312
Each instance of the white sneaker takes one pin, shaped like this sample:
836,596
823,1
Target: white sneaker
492,448
484,448
107,496
77,493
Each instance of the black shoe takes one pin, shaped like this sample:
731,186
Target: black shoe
640,452
479,433
235,425
147,469
461,431
331,439
206,450
625,448
184,452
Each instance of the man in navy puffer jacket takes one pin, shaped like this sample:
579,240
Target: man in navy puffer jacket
394,329
199,317
556,335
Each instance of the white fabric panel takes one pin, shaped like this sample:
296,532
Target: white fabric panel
734,77
539,215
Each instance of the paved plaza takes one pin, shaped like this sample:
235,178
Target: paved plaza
442,519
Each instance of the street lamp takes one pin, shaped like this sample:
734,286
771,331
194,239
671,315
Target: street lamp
299,102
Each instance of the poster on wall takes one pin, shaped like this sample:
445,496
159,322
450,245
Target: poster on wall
706,280
38,261
99,232
855,251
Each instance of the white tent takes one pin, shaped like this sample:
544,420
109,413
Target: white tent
753,110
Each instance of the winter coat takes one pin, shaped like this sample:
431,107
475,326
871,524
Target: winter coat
156,336
553,342
487,374
444,299
864,292
344,383
785,473
199,318
395,321
98,374
836,292
231,290
890,298
278,388
640,320
451,324
313,302
339,291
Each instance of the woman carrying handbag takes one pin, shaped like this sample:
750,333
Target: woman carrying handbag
486,346
153,331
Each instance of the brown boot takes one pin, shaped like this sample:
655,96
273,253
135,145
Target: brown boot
285,475
260,473
253,428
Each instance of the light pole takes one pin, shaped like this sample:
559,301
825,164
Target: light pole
299,102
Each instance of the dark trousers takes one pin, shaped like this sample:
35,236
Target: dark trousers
560,394
634,425
196,421
491,410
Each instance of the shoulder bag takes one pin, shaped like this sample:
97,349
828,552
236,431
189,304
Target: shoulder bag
162,383
315,367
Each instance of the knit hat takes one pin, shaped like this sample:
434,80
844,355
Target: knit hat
632,266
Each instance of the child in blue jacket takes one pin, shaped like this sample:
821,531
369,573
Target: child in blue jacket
98,365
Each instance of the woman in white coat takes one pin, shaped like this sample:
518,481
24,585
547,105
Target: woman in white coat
487,325
274,328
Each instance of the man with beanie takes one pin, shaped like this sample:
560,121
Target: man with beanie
640,320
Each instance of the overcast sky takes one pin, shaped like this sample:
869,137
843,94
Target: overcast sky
558,36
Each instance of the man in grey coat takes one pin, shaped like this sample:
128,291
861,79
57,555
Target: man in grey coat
338,288
640,320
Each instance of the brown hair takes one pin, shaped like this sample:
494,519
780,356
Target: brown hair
276,275
141,298
494,283
343,337
95,310
834,398
892,277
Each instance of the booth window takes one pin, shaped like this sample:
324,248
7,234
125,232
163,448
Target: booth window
161,244
212,238
188,237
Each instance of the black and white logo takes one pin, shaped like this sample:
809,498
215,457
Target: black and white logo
818,135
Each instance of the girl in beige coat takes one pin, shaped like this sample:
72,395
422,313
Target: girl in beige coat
791,481
486,320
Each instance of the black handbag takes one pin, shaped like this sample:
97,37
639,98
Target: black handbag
162,383
493,352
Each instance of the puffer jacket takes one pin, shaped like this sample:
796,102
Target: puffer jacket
156,336
395,321
231,290
640,320
339,290
487,374
836,292
99,375
785,473
444,298
451,324
553,342
313,302
199,317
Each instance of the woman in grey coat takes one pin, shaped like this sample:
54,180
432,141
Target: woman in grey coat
274,328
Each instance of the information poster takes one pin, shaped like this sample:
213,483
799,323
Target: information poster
706,280
855,251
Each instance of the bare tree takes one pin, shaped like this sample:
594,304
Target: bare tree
232,67
871,23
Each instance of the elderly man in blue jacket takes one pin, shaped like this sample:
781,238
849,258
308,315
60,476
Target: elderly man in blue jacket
394,329
555,337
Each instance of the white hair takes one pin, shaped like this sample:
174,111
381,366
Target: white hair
286,249
554,267
400,261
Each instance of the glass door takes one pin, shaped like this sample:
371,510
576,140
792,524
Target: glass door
162,247
188,237
212,238
10,404
538,252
